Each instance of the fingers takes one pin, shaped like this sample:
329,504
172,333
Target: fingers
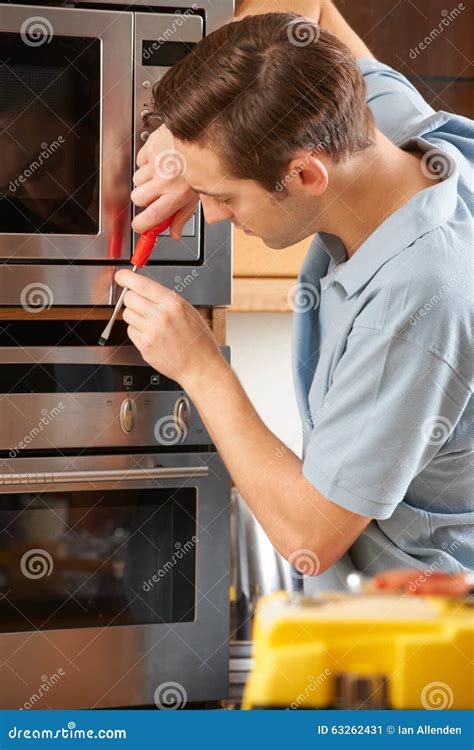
143,155
182,217
447,586
394,579
159,210
144,174
146,192
135,337
419,582
134,319
144,287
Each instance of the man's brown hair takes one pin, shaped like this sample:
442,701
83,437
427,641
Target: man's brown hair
261,89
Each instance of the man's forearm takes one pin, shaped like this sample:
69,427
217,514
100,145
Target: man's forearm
268,477
292,512
323,12
309,8
332,20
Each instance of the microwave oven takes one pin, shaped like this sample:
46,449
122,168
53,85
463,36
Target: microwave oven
75,109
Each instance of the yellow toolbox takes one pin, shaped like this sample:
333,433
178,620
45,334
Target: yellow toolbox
366,651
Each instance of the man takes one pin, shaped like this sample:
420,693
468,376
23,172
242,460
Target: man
285,134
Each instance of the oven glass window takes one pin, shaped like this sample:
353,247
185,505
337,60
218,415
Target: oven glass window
49,133
93,559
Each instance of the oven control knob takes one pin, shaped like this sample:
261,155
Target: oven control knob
181,417
144,113
145,135
127,415
146,84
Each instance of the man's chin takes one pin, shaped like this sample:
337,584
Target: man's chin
273,244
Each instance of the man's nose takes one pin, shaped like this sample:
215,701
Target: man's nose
212,213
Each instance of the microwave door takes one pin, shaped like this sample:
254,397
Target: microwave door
66,119
161,41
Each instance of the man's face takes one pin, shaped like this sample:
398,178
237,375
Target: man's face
279,220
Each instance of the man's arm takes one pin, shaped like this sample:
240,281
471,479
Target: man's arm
323,12
296,517
332,21
172,337
309,8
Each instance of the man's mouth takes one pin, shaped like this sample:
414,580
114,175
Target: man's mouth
242,229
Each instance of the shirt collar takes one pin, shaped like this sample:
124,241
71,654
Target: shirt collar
427,210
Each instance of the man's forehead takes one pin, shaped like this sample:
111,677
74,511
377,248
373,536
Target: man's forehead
202,166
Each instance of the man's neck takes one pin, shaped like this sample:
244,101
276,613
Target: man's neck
368,188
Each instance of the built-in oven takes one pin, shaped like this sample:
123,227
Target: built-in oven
114,536
76,85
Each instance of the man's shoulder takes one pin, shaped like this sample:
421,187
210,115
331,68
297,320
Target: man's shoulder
424,295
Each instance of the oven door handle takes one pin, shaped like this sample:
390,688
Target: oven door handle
105,475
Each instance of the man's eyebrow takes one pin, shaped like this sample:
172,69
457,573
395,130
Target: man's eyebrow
204,192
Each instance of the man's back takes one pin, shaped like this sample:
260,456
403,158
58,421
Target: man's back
384,363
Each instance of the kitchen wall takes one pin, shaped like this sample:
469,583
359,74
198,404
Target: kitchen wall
261,356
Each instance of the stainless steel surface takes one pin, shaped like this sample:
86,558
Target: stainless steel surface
127,414
182,411
357,691
108,328
43,420
123,666
70,355
33,477
170,28
216,13
199,266
240,665
209,283
115,30
256,567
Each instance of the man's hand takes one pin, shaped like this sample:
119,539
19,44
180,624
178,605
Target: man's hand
160,185
170,334
409,581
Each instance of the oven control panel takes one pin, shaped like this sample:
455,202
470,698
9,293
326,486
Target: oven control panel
161,41
68,398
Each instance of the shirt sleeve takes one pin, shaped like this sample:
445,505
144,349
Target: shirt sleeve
397,106
390,408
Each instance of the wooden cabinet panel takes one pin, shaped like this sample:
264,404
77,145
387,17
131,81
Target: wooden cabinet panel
262,295
452,96
253,258
418,37
430,41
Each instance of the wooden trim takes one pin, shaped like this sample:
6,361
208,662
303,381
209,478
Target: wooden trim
70,313
56,313
261,295
218,323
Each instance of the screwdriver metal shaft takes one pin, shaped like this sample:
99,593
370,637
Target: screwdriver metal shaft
143,250
108,328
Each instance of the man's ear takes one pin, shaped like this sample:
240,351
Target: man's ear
310,173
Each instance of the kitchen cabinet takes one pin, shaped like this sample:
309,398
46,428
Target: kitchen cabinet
263,276
430,42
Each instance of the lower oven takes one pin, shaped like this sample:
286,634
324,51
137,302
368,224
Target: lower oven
114,561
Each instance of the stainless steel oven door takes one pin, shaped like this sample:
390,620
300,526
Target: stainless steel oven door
162,40
114,580
66,115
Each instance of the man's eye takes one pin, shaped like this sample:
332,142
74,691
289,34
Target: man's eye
220,202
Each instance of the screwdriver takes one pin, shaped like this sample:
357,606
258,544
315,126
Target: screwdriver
143,250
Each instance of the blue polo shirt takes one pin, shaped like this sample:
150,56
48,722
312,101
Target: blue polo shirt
382,353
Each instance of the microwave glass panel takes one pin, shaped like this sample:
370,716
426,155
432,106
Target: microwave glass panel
50,94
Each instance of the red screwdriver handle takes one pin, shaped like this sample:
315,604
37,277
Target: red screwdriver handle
146,243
